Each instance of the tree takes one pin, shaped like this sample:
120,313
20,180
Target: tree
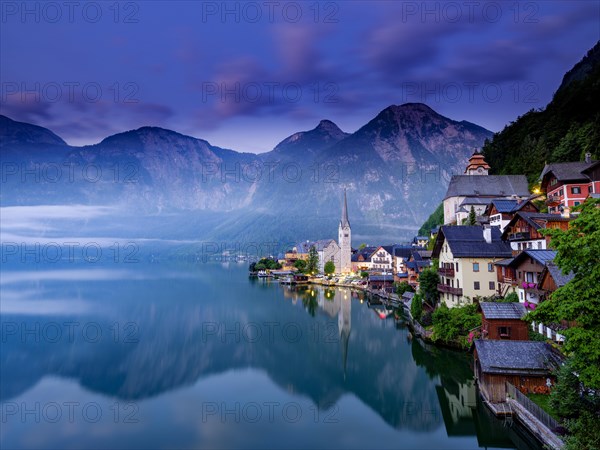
329,268
416,307
579,300
472,219
403,287
361,246
300,265
312,265
428,282
364,274
436,218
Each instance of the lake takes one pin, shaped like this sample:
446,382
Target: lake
192,355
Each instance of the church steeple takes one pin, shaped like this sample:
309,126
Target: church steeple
344,222
345,239
477,165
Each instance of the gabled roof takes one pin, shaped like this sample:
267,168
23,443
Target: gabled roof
475,201
567,171
387,248
468,241
504,262
403,252
487,186
560,279
536,220
500,310
542,257
408,296
516,357
304,247
386,278
509,205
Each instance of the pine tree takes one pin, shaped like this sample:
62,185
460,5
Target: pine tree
472,220
312,265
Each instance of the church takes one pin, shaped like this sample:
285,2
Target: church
477,188
328,249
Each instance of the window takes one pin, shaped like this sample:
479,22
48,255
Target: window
457,267
490,267
476,285
492,285
539,245
457,283
504,332
576,190
475,267
553,182
576,203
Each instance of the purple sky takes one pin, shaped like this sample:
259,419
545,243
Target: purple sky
245,75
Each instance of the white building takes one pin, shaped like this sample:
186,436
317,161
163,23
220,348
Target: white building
345,241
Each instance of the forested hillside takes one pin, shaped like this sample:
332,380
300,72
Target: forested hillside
564,131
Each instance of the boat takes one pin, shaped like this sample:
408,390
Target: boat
294,279
263,274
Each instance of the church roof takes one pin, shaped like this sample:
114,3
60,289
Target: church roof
344,222
488,186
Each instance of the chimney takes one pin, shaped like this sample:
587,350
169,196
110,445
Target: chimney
487,234
588,157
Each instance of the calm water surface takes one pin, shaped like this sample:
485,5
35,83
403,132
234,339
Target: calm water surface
199,356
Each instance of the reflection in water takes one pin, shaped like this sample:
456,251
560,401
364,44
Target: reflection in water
157,336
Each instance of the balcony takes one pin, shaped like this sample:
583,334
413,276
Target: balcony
446,271
553,200
449,289
520,236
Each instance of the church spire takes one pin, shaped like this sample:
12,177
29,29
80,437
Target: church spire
344,222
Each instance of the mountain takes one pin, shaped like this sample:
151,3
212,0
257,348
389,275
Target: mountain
309,143
395,168
13,132
565,130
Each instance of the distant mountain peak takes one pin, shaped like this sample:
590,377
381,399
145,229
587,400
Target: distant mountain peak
13,132
323,135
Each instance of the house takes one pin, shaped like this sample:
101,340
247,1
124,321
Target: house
527,267
500,211
549,281
568,184
420,241
524,364
327,250
523,231
477,184
361,260
466,262
505,277
379,282
419,260
401,256
383,260
503,321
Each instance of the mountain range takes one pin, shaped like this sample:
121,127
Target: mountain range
395,170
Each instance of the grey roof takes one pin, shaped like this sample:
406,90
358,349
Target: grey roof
403,252
425,254
408,296
567,171
542,257
493,310
386,278
475,201
420,238
402,274
468,241
533,218
560,279
505,205
304,247
487,186
516,357
504,262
